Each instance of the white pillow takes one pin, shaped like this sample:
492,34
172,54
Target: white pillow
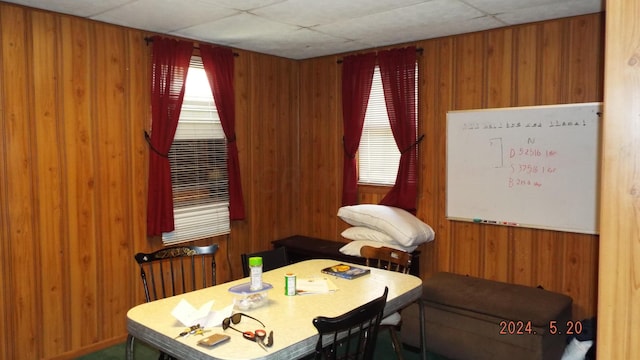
353,248
365,233
399,224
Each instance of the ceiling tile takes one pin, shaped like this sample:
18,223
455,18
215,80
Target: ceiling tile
244,5
237,28
547,12
303,43
311,13
164,15
73,7
397,21
415,33
499,6
300,29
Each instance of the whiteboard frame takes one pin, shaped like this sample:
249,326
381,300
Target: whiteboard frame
590,228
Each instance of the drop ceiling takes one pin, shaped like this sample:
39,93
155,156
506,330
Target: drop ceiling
301,29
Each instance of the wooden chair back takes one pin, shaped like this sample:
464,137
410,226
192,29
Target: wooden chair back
387,258
351,335
176,270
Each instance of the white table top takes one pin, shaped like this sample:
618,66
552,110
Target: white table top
290,317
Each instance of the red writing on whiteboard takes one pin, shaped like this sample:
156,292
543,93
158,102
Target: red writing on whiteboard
531,152
532,169
523,182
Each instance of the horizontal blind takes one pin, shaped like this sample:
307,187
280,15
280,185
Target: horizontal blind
198,159
378,154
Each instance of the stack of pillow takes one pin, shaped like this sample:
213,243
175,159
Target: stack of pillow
380,225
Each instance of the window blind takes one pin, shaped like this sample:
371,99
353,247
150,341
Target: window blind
198,159
378,154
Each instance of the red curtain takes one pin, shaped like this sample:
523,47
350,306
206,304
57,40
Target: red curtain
218,64
357,75
398,72
170,63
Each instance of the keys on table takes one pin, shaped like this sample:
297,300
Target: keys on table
195,329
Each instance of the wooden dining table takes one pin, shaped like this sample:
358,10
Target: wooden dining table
289,317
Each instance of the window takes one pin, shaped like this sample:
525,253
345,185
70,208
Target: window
378,154
198,159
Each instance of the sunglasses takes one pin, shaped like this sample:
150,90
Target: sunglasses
235,319
257,336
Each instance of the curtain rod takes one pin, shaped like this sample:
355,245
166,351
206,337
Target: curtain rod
150,40
418,50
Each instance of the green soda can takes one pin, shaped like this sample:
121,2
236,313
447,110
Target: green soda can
290,284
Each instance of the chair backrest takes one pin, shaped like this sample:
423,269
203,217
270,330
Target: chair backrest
176,270
271,259
351,335
387,258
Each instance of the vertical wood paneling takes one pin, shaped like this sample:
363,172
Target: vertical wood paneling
79,151
241,237
5,265
553,49
272,137
138,94
442,72
49,185
320,147
526,57
111,134
469,78
21,251
585,33
619,284
499,79
427,150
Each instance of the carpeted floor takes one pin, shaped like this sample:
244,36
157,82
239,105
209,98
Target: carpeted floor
384,351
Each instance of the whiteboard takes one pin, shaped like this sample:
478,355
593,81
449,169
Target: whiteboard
532,166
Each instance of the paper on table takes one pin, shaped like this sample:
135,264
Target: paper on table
189,316
315,285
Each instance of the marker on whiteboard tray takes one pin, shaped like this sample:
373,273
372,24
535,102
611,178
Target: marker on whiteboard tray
476,220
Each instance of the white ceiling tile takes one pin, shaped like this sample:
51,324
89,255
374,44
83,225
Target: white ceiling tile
397,20
73,7
310,13
540,13
237,28
164,15
499,6
415,33
301,43
245,5
300,29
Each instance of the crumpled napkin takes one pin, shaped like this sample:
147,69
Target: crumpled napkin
188,315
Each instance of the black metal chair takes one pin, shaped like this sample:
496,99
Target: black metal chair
271,259
172,271
351,335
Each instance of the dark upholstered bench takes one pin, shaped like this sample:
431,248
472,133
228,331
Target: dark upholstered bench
473,318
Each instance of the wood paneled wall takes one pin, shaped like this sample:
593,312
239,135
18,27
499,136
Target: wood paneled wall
552,62
73,106
74,102
619,289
